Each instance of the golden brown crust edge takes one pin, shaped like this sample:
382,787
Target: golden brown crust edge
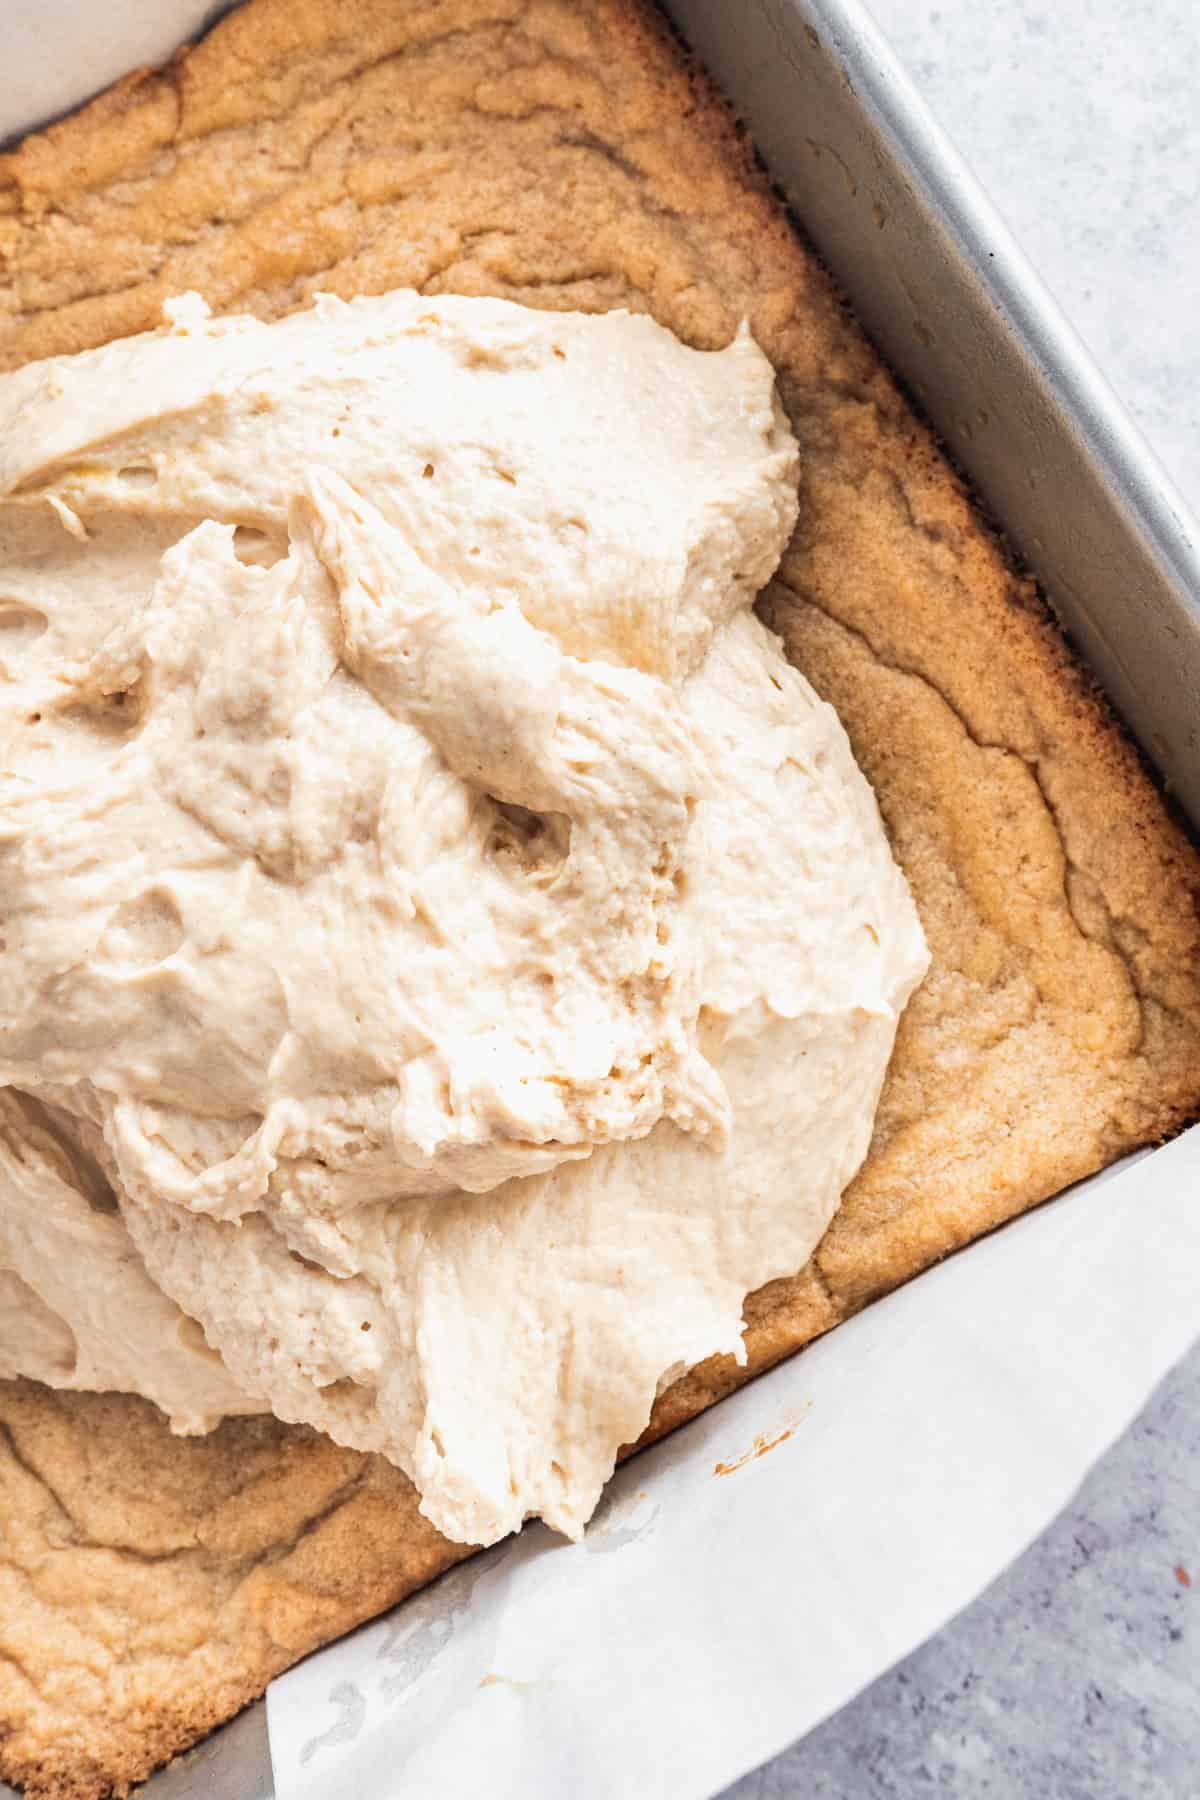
558,152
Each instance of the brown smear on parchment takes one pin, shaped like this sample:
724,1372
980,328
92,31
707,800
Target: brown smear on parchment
759,1447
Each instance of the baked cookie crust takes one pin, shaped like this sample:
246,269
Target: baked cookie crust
561,153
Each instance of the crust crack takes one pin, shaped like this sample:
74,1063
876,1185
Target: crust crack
1108,940
79,1538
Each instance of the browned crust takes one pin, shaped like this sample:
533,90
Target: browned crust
558,152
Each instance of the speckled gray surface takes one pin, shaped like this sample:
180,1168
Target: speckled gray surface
1077,1675
1080,118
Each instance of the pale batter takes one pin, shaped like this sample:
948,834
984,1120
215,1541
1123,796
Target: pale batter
464,944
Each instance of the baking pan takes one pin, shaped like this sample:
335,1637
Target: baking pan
943,289
950,300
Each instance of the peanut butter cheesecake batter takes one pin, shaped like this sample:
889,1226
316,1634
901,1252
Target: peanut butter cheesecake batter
451,955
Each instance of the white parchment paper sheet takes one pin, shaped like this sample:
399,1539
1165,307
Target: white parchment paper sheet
707,1619
57,53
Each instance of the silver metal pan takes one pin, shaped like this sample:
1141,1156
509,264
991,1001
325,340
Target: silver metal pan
950,300
939,283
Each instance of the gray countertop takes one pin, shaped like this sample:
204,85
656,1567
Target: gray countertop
1077,1675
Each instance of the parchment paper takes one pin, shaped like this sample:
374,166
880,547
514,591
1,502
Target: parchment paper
723,1602
58,53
